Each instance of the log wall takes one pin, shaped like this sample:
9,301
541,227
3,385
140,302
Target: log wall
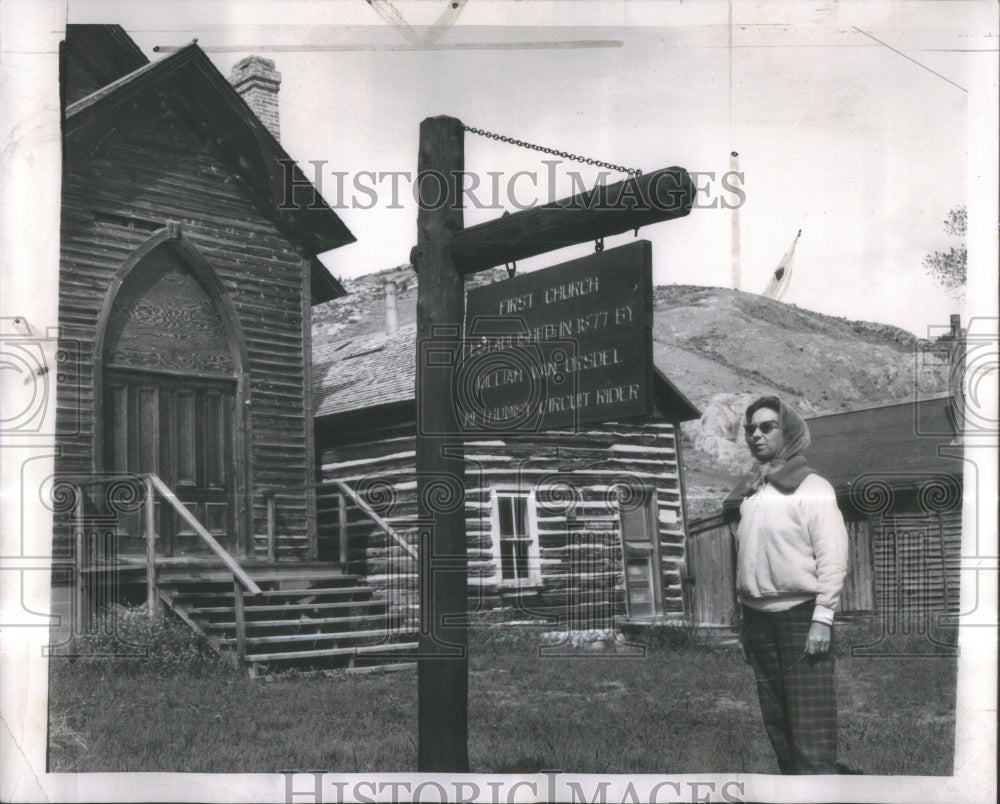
577,479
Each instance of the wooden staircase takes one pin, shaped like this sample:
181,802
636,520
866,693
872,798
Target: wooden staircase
307,617
271,615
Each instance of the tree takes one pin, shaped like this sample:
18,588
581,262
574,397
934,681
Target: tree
948,268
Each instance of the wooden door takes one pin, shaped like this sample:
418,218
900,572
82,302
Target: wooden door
183,429
710,572
641,558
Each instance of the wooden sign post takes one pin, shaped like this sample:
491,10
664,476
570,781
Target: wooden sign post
443,668
444,253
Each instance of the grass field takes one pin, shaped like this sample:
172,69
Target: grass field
679,707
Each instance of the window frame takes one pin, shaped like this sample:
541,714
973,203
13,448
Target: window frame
534,574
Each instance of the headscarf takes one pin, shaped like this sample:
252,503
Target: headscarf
788,468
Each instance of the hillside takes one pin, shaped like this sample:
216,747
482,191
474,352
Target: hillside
721,347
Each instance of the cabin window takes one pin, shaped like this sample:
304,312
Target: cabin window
515,537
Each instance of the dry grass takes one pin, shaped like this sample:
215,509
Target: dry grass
680,707
68,748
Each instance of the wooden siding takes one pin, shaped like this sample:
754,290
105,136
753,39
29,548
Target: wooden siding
916,562
132,185
579,553
710,581
904,563
858,593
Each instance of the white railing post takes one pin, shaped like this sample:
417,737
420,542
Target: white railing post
79,592
241,632
152,593
272,504
342,527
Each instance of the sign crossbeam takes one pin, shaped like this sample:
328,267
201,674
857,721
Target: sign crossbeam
602,212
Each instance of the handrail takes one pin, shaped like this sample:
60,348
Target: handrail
218,549
374,517
154,484
82,604
270,493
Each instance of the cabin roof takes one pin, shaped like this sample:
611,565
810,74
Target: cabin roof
374,370
900,444
901,441
189,84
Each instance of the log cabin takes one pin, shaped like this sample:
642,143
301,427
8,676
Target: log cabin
897,470
585,527
189,268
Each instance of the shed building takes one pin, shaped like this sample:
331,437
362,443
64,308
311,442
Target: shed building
898,473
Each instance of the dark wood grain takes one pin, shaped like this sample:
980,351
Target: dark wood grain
602,212
443,667
162,171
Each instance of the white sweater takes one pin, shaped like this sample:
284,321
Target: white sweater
792,547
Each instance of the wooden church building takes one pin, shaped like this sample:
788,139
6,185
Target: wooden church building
187,279
188,274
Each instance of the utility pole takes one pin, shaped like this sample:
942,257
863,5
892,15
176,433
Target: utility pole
734,167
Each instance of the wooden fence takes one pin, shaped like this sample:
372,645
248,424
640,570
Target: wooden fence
905,566
710,577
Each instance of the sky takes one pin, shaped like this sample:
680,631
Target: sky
851,121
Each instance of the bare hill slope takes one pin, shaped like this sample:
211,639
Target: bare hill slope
721,347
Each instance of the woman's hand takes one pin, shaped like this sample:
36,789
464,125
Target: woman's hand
818,640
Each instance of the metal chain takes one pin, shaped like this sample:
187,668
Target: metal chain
564,154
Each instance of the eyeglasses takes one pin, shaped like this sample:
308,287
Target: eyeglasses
766,428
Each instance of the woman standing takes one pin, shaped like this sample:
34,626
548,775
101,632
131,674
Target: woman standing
791,564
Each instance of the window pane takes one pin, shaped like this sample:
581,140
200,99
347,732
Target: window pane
505,504
507,559
521,505
514,538
522,558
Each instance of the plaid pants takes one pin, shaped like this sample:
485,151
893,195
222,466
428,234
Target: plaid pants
796,690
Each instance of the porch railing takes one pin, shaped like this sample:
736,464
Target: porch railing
152,486
271,498
350,531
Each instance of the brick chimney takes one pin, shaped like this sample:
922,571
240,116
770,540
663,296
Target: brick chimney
391,314
257,82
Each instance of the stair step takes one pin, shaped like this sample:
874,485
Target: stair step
391,649
280,639
186,574
249,608
181,595
318,621
381,668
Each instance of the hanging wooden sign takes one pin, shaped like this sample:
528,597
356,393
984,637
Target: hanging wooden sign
559,347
